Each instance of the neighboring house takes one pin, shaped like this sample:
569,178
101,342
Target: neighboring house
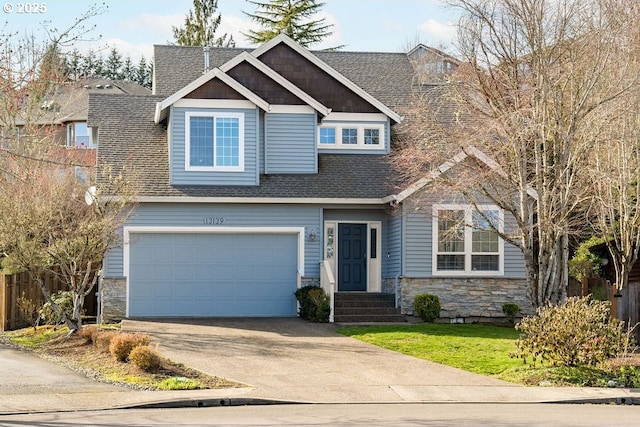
268,169
432,66
62,117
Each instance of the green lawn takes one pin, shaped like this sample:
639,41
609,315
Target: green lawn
476,348
485,350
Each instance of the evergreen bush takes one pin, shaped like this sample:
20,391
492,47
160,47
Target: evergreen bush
64,300
427,306
314,304
511,309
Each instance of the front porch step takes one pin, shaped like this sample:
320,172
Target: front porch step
359,307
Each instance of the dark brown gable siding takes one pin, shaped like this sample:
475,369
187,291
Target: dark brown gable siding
214,89
263,86
314,81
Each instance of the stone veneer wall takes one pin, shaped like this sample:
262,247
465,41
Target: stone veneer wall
113,295
309,281
475,299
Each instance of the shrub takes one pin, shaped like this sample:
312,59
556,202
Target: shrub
575,333
145,358
102,340
427,306
64,300
88,333
314,304
28,309
511,309
122,344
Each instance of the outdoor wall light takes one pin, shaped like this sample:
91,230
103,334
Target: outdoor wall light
312,235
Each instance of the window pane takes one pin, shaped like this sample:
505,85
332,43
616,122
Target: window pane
485,262
484,239
227,141
451,262
349,136
201,141
330,242
451,231
327,136
372,136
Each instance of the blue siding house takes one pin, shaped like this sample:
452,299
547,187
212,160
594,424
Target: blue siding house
269,171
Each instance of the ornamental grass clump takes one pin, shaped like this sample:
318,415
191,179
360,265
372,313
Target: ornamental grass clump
122,344
576,333
145,358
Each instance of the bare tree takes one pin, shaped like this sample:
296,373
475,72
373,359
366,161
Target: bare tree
537,73
49,222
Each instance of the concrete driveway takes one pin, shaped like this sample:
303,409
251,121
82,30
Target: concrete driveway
293,360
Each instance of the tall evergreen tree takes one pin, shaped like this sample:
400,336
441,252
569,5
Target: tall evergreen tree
74,64
290,17
128,71
200,27
53,67
143,73
92,64
113,65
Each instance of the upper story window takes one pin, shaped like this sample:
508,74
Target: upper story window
214,141
78,135
360,135
466,242
327,135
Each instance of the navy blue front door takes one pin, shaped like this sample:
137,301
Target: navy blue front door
352,257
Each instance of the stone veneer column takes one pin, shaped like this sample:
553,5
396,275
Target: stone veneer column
113,295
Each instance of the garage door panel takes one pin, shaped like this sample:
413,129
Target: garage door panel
212,274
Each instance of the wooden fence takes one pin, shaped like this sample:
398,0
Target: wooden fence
13,286
624,306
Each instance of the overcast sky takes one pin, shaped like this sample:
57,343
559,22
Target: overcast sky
134,26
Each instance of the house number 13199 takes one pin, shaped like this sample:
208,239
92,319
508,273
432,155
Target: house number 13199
213,220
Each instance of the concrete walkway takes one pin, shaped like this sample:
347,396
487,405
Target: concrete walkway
280,360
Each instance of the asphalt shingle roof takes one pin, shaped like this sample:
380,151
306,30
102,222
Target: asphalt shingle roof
128,134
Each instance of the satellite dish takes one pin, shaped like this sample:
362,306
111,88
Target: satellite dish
90,195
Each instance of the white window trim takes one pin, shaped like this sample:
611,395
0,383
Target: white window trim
360,129
468,209
187,142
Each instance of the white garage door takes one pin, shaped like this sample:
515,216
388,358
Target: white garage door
201,275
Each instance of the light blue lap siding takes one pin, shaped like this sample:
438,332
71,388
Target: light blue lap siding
177,173
290,143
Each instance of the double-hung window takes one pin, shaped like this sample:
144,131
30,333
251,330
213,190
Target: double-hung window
465,241
214,141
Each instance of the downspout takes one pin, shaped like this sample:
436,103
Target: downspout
99,298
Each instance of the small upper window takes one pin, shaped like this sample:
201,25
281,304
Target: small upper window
327,136
349,136
78,135
372,136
